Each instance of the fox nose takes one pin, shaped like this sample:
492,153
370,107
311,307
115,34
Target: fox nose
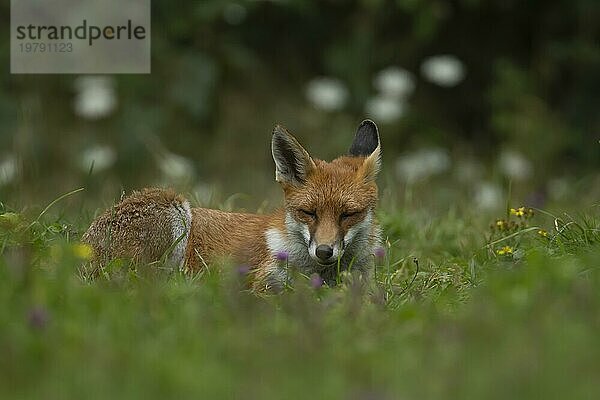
324,252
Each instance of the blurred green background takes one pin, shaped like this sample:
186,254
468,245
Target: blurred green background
471,93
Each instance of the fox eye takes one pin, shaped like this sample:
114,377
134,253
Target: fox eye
349,214
307,213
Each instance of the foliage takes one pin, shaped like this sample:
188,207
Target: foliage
459,322
225,71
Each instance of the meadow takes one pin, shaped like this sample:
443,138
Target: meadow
461,305
487,287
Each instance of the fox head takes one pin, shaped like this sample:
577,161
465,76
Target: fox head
329,206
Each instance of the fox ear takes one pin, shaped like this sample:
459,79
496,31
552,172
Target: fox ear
366,139
292,163
366,144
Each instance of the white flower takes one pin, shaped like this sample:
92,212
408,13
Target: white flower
514,165
102,157
443,70
234,13
468,170
488,196
95,97
8,170
394,82
422,164
175,167
327,94
385,109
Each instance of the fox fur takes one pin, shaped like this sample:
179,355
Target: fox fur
327,223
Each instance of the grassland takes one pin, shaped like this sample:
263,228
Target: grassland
461,306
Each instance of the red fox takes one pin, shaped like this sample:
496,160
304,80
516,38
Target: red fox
327,223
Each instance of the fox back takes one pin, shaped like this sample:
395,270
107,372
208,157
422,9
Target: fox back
327,223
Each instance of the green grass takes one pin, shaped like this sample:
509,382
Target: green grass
444,317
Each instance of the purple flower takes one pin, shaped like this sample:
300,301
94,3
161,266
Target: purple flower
316,281
38,317
380,253
243,270
282,255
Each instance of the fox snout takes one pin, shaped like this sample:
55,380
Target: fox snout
325,247
325,254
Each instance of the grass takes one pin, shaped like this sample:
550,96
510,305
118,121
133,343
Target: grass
445,316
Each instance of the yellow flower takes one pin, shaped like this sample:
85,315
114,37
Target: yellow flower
543,233
519,212
505,250
500,223
83,251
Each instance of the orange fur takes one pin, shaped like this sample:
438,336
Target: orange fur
328,217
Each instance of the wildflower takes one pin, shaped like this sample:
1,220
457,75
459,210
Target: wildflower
243,270
514,165
443,70
543,233
469,170
175,167
282,255
316,281
506,250
385,108
83,251
422,164
328,94
95,98
8,170
488,196
38,317
379,253
102,157
501,224
394,82
519,212
234,14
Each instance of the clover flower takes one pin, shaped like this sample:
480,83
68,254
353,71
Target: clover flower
316,281
282,255
243,270
38,317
